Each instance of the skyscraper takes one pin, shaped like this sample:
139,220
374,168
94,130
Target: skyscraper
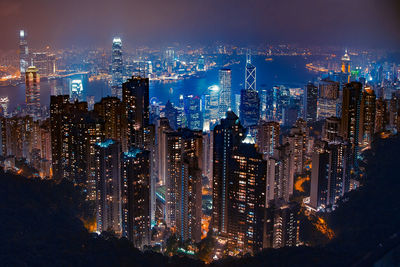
117,68
367,119
250,74
227,136
23,53
193,112
246,202
135,99
249,107
310,100
136,196
183,183
108,186
346,67
32,91
328,99
225,81
268,138
351,112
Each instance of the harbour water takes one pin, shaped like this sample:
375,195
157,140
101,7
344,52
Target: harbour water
281,70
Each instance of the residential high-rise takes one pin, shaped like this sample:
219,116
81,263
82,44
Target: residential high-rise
330,177
380,115
249,107
111,110
268,138
367,116
183,183
32,91
135,99
286,225
310,100
225,81
108,186
331,129
250,74
246,201
117,68
227,136
23,53
57,110
136,196
351,112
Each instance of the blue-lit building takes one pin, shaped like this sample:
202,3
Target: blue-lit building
193,112
117,68
249,107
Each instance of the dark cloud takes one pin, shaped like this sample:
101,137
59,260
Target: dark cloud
94,22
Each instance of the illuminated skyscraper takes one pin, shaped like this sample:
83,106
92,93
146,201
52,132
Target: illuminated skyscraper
183,183
268,138
250,74
328,99
310,99
23,53
135,99
108,186
45,63
367,120
346,68
227,136
32,91
380,115
225,81
117,68
351,112
136,196
246,202
213,105
249,107
193,112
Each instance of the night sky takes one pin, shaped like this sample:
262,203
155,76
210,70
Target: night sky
368,23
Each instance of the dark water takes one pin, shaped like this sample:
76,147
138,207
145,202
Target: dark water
284,70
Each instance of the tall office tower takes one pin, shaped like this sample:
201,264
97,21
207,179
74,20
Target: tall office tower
331,129
268,138
162,127
286,225
227,136
193,112
225,81
183,183
250,74
135,99
246,204
23,53
171,113
330,177
111,110
328,99
213,107
249,107
351,111
346,68
280,100
367,116
108,186
310,100
117,68
380,115
57,110
32,91
45,63
201,64
136,196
